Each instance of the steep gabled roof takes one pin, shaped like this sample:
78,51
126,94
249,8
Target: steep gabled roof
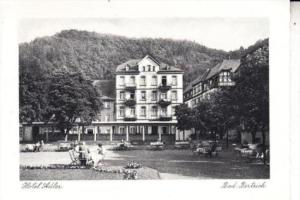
232,65
165,67
197,80
133,65
106,98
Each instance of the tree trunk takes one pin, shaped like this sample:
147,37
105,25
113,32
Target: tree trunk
263,133
197,134
227,139
239,136
66,135
253,134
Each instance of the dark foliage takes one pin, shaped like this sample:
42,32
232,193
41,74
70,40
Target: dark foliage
97,55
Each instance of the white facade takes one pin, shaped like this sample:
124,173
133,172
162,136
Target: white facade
146,94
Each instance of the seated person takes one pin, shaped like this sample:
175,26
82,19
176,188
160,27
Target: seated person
212,148
37,146
29,147
84,154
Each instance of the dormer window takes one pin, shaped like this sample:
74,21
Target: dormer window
154,68
149,68
144,68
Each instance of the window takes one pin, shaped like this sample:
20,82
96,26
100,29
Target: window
132,80
122,112
149,68
173,110
132,130
122,80
154,68
132,111
106,118
143,81
174,95
143,111
132,95
154,111
154,96
163,95
144,68
122,130
106,105
154,80
174,80
122,95
164,80
143,95
164,130
164,111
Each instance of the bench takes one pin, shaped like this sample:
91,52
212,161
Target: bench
182,145
206,150
157,145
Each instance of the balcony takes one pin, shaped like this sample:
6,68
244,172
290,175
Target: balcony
130,87
130,118
164,87
221,84
164,102
165,117
129,102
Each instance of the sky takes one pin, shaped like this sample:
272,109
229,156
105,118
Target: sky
218,33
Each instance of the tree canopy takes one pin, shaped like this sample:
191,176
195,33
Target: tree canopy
63,98
71,99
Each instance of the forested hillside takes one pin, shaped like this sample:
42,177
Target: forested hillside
98,55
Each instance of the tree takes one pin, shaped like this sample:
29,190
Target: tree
252,89
224,106
72,98
33,93
202,118
184,118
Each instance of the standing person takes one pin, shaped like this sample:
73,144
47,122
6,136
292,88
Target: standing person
100,154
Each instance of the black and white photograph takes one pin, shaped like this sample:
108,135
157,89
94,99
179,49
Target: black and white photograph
149,99
143,99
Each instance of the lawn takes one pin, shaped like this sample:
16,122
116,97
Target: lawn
173,163
184,163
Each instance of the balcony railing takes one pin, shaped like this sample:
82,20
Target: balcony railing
164,87
130,118
226,83
165,117
164,102
130,86
129,102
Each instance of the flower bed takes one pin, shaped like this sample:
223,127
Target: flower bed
75,172
130,175
55,166
133,165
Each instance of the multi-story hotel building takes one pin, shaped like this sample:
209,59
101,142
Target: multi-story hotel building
213,79
147,92
210,81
